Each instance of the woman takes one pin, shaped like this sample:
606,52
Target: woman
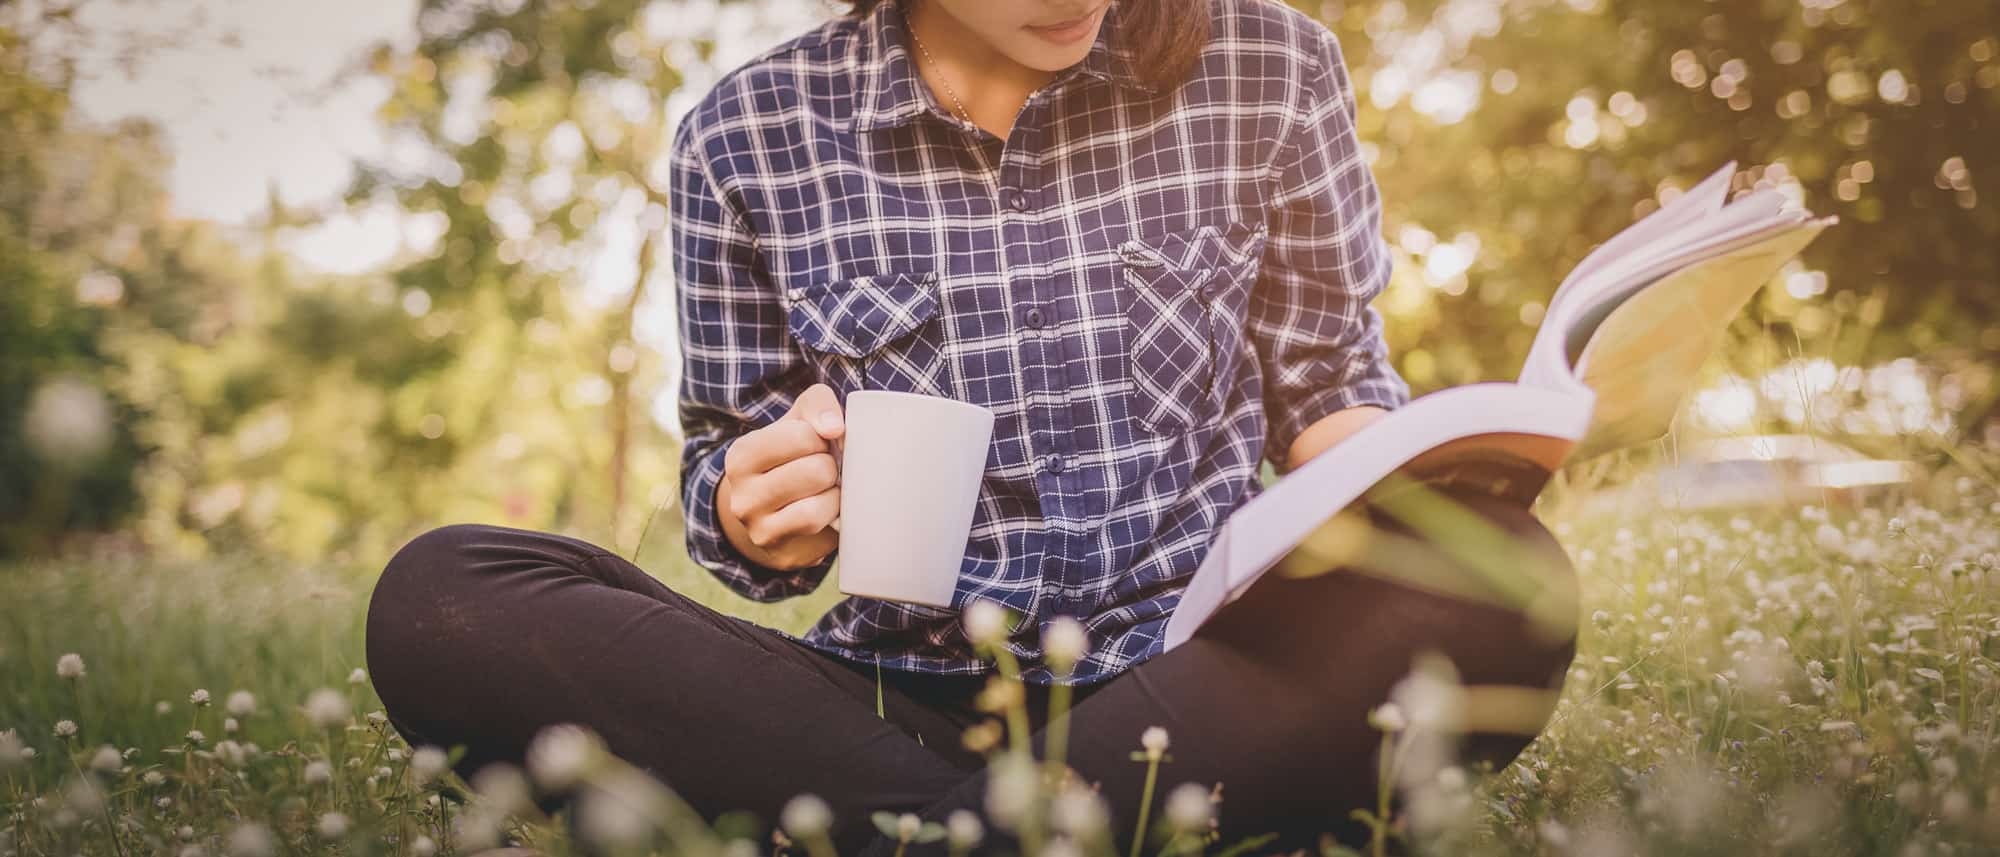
1145,235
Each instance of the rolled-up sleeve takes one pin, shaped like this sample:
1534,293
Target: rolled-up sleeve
739,369
1319,339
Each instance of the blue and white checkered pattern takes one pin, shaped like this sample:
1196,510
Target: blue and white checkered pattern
1151,290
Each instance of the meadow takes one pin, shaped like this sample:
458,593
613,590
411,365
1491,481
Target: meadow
1815,680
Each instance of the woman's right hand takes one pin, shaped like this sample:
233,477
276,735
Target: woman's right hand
780,488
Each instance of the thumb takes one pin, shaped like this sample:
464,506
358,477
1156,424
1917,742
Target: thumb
819,407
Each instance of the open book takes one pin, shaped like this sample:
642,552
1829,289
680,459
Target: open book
1617,352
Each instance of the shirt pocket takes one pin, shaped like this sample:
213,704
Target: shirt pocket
1186,295
866,332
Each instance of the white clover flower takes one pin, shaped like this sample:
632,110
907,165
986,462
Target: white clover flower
985,622
907,827
326,708
241,703
163,708
153,778
230,726
199,698
231,753
65,729
192,850
195,737
106,759
964,830
608,817
805,817
318,772
1189,808
69,667
423,846
475,831
1079,812
1065,642
503,788
251,840
427,763
562,754
10,749
1388,717
332,825
1955,806
185,832
83,795
358,677
1154,740
1010,791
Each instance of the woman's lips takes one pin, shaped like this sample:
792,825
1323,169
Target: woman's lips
1068,32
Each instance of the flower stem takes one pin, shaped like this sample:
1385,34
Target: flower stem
1145,805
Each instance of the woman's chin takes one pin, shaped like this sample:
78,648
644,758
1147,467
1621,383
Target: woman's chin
1040,54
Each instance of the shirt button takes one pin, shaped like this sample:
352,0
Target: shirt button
1053,464
1033,317
1018,200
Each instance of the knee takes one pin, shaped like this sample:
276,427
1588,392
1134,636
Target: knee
421,575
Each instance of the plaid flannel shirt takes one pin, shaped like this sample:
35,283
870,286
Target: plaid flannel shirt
1151,290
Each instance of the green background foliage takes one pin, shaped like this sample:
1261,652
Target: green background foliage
329,417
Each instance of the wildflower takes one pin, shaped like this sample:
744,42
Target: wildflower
1079,812
153,778
475,831
805,817
964,830
163,708
318,772
69,667
106,759
192,850
427,763
332,825
562,754
1955,806
185,832
230,726
1388,717
907,826
983,736
195,738
326,708
608,817
241,703
65,729
503,788
231,753
1065,642
1010,791
985,623
423,846
251,840
1154,739
378,717
1189,808
199,698
10,749
358,677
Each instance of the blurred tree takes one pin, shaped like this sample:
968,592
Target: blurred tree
1514,135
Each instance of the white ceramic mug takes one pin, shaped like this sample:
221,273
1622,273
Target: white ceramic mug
910,468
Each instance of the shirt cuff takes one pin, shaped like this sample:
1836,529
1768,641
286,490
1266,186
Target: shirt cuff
712,550
1380,387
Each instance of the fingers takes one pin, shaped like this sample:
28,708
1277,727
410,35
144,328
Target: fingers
819,407
804,517
788,482
766,448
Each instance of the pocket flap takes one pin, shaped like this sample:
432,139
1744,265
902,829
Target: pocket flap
1185,259
854,317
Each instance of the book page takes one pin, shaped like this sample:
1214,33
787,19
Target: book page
1644,359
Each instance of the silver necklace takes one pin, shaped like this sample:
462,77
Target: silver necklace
948,90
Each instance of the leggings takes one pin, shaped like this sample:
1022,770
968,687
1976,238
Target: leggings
479,636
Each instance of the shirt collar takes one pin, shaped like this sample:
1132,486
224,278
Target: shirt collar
891,93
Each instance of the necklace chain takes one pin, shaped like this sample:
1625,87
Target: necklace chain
948,90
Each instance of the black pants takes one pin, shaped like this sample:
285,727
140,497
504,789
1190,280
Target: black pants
480,636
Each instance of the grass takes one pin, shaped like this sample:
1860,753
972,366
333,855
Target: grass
1798,681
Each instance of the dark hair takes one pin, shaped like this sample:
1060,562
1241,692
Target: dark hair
1162,37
